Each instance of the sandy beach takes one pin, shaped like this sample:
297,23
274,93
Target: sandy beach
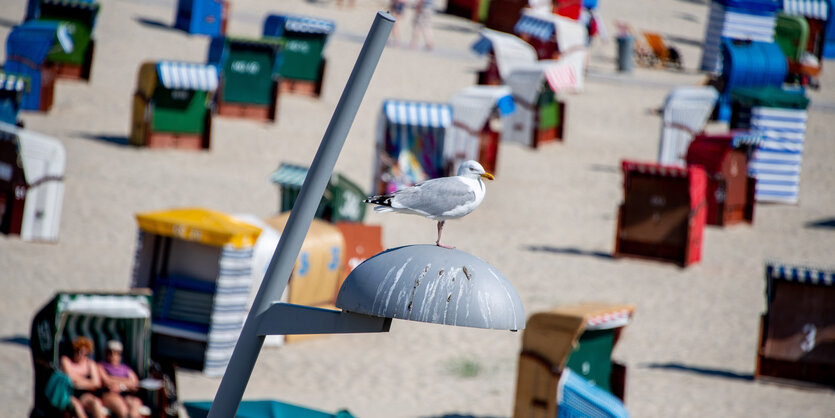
547,222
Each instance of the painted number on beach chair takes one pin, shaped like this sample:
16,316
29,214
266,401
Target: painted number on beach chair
304,264
334,263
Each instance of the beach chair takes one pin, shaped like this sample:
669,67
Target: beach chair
730,189
797,328
505,52
249,76
741,20
27,48
686,111
172,105
566,367
198,264
99,316
31,185
665,55
204,17
79,17
663,213
414,144
317,274
748,64
551,35
539,114
342,200
303,65
779,116
478,114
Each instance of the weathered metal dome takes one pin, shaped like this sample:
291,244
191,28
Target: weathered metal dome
428,283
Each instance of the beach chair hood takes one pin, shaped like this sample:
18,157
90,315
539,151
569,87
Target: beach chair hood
277,25
569,34
43,159
510,51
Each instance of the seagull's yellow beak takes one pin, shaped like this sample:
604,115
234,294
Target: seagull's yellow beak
488,176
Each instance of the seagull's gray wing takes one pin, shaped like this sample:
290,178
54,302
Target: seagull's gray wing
434,197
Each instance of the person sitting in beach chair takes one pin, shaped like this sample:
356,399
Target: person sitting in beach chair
120,384
85,378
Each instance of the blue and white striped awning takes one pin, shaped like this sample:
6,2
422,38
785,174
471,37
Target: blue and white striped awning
746,139
539,28
187,76
423,114
308,25
12,82
289,175
816,9
800,274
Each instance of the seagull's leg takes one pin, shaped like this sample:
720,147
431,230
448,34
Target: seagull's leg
440,229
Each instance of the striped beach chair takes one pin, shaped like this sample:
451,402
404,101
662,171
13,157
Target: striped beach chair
552,36
779,116
747,20
198,263
303,64
413,144
172,105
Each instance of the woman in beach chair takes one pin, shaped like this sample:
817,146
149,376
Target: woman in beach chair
120,384
86,382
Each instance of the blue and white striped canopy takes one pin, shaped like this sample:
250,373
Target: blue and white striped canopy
187,76
308,25
423,114
816,9
11,82
800,274
534,26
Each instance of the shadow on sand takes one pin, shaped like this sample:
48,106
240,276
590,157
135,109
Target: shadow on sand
15,339
700,371
567,250
153,23
821,223
113,139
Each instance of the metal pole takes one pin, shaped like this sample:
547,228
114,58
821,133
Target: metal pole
234,381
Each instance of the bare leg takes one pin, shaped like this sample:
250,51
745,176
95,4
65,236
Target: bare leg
440,229
116,404
93,405
78,408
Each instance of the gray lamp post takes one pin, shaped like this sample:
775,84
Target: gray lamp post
474,294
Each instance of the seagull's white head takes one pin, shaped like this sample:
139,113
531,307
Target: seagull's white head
473,169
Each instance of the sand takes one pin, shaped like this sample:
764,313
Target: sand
547,223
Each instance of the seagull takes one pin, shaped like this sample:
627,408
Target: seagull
438,199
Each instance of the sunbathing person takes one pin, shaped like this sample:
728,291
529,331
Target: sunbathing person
84,375
120,384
